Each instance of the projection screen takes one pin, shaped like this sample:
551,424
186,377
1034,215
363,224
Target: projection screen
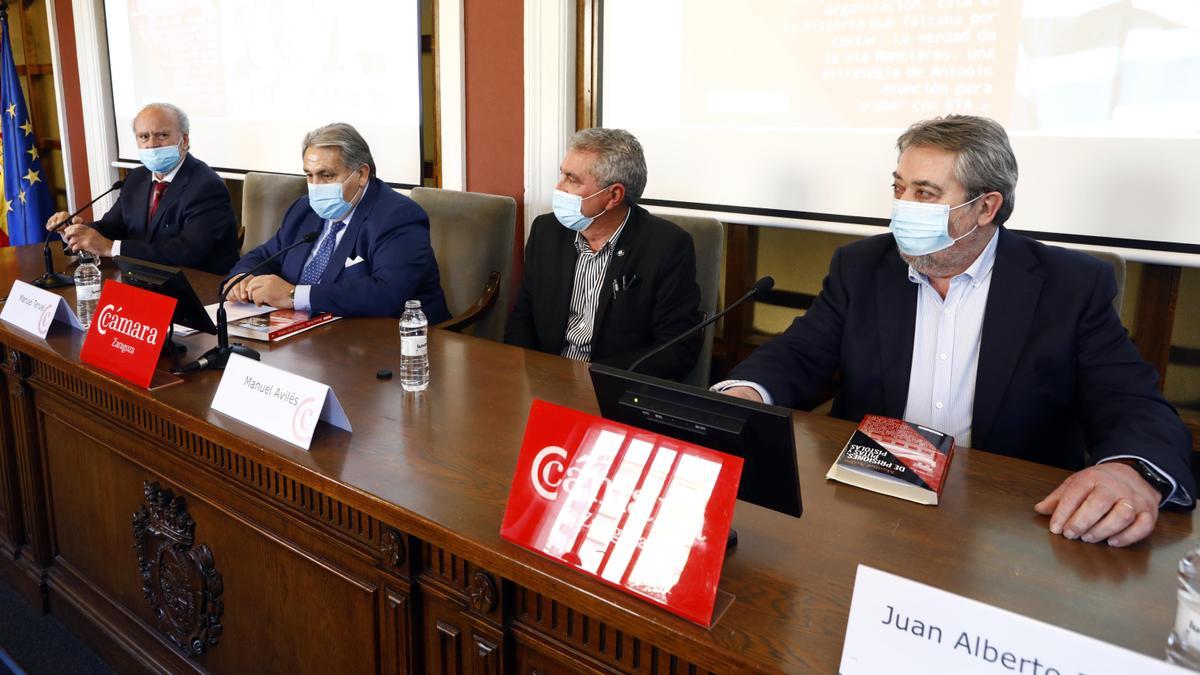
786,112
255,75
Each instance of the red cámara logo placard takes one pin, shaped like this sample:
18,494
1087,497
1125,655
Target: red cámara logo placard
128,332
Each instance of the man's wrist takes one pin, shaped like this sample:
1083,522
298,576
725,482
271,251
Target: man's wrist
1148,474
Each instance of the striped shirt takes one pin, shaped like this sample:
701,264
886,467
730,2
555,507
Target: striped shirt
590,267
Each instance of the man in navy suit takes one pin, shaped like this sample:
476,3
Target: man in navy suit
173,210
373,251
1012,346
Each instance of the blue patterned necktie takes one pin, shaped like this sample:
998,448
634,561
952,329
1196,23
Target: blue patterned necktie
316,267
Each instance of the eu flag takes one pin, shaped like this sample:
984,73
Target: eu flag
26,204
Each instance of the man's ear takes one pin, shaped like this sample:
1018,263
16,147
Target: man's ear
992,202
616,197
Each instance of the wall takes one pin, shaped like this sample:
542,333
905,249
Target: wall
495,111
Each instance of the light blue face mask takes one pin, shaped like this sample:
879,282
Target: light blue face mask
161,159
921,229
568,208
327,201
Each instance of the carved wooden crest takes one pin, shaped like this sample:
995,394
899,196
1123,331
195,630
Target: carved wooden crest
179,579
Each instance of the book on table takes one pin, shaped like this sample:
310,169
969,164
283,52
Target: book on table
278,324
896,458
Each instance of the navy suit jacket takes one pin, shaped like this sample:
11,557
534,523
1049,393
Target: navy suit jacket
1058,381
194,225
661,303
389,231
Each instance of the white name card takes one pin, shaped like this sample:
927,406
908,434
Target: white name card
280,403
900,626
33,309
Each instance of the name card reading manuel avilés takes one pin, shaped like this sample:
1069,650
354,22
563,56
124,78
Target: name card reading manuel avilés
33,309
900,626
280,403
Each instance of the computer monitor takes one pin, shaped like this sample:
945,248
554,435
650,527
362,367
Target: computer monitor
169,281
758,433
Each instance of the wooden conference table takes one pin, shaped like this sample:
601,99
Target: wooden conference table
379,551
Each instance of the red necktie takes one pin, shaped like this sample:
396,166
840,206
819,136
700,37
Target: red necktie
156,196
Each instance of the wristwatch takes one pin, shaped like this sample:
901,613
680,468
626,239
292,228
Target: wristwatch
1148,474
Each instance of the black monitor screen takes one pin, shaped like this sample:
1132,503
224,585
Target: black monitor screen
169,281
760,434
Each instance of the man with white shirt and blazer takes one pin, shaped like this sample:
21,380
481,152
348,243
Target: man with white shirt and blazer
1010,345
173,209
372,253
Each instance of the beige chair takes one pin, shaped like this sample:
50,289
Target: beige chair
1118,265
708,236
265,198
472,236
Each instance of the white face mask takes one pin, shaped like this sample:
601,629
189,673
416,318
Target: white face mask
921,228
568,208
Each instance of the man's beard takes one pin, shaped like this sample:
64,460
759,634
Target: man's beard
947,262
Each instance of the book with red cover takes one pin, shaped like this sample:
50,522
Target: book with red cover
277,325
896,458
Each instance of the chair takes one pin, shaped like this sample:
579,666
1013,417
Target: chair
708,236
265,198
472,235
1118,265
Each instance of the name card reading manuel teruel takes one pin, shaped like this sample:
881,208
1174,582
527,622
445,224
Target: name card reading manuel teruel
33,309
280,403
900,626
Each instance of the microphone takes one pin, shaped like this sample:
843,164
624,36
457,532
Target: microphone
52,279
760,287
217,357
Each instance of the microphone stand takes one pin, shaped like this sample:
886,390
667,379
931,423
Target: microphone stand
761,286
52,279
217,357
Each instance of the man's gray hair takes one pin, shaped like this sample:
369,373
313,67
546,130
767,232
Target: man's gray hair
354,148
985,163
185,125
619,159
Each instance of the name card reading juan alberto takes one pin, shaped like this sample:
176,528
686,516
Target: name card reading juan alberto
128,332
643,512
33,309
280,403
900,626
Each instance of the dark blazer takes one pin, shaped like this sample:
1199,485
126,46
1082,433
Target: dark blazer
388,231
194,225
660,304
1057,378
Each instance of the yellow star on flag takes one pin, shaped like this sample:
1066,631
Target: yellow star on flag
21,196
27,127
31,176
33,153
12,110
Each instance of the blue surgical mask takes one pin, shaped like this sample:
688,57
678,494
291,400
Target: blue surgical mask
921,228
326,199
161,159
568,208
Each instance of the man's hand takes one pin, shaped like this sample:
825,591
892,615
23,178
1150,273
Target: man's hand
240,291
1107,502
270,290
748,393
58,220
80,237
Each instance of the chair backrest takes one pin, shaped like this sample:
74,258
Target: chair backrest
708,236
472,236
265,198
1118,265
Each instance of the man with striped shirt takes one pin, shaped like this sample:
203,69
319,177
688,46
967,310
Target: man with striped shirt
605,281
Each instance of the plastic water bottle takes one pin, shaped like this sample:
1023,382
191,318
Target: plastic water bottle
414,342
1183,645
87,289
